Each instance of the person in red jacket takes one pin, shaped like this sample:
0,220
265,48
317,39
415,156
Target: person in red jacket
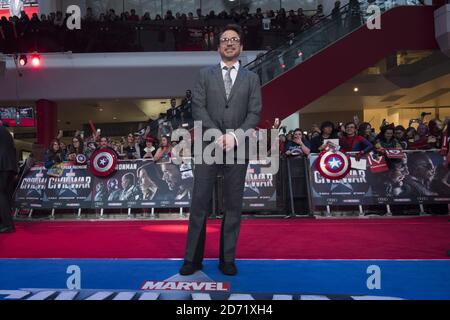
350,141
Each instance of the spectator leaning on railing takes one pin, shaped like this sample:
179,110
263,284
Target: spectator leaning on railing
77,147
350,141
298,146
54,154
164,152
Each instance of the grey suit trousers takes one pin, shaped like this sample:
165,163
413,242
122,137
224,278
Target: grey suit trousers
233,189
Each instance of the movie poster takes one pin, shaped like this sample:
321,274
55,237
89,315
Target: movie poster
418,178
145,184
72,189
260,188
30,191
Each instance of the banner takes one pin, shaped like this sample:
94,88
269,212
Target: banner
135,184
143,183
260,188
418,178
71,190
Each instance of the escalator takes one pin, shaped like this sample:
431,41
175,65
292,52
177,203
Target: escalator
337,48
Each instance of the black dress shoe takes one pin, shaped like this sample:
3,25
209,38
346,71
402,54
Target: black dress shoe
7,229
228,268
189,268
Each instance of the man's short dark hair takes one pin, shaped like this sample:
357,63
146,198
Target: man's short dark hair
349,123
233,27
326,124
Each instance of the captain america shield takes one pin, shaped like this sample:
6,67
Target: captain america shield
80,159
103,162
333,165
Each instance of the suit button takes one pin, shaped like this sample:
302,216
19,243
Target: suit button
226,107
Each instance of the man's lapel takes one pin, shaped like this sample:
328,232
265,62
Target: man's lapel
237,82
220,82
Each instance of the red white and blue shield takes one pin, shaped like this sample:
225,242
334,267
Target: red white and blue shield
80,159
103,162
333,165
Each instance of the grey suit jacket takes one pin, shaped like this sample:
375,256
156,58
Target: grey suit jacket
210,105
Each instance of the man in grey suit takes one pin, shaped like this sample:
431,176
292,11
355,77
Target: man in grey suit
226,96
8,170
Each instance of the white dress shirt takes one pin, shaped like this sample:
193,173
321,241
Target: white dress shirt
233,72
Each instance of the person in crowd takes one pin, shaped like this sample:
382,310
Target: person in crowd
416,138
104,143
149,151
164,152
298,146
131,149
8,171
326,132
365,131
289,136
169,16
77,147
133,16
146,16
315,131
173,113
350,141
319,15
386,139
200,16
400,135
89,17
54,154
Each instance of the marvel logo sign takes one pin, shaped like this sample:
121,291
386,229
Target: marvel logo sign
186,285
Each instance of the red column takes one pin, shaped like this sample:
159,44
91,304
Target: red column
46,121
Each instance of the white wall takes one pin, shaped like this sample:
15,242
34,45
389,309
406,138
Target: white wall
292,122
64,76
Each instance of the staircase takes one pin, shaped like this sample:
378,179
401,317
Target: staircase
337,48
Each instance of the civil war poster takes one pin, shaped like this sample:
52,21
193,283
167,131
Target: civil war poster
419,177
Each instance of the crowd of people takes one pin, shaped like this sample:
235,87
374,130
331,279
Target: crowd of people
361,137
142,144
17,34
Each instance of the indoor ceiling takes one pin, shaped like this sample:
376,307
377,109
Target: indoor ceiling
381,93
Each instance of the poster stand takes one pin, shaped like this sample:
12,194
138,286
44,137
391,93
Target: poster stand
388,211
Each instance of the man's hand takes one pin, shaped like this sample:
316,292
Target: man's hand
226,142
